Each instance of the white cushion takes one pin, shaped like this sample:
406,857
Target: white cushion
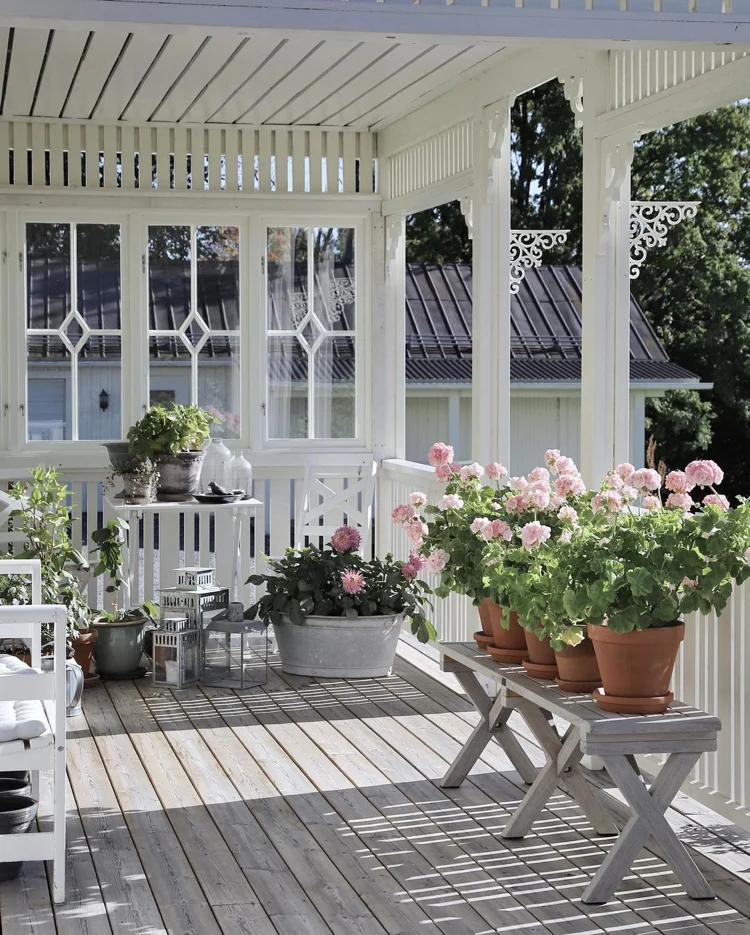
20,720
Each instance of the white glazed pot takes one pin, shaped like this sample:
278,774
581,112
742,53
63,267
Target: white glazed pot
339,647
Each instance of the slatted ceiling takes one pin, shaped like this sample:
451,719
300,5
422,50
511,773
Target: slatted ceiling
65,51
250,94
211,59
95,70
248,59
138,57
176,53
26,62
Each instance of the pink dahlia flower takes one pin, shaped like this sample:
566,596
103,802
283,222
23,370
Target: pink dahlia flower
534,534
679,482
437,560
717,499
352,581
451,501
417,499
496,471
440,454
471,472
704,473
679,501
402,514
444,473
651,503
346,539
569,485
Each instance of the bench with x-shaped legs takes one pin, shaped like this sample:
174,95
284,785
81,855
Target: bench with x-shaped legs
683,733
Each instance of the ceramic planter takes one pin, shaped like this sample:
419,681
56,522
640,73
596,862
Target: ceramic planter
83,649
15,786
120,456
139,487
337,647
541,663
16,814
578,670
179,475
509,643
119,648
636,668
483,637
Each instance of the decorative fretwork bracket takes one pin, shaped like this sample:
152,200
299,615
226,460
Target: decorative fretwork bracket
650,222
573,91
394,235
467,209
526,249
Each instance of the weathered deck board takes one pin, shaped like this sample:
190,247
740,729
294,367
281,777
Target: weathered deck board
308,808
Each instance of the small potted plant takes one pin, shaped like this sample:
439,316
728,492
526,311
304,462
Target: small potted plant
139,478
172,438
338,615
119,647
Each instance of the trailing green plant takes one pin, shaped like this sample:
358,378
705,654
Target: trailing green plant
338,582
110,541
166,430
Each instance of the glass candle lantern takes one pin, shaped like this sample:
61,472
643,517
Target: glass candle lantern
235,655
176,657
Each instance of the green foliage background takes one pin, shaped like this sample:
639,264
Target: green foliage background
695,291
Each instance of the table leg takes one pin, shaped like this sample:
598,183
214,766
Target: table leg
648,807
494,714
237,534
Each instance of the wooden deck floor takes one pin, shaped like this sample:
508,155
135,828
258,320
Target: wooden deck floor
313,809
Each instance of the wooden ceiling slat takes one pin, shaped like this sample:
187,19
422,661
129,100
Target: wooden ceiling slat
97,64
175,55
213,56
64,55
134,64
26,61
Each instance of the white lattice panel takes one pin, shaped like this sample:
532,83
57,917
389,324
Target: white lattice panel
433,160
637,74
186,159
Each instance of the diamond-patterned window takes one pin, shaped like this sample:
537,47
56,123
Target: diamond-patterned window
73,331
194,319
311,326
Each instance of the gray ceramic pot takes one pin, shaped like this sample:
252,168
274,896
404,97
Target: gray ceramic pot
139,488
119,648
119,456
179,475
336,647
16,814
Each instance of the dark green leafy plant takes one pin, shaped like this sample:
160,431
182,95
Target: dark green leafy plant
332,582
165,430
110,540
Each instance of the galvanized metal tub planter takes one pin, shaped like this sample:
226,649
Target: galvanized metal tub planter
339,647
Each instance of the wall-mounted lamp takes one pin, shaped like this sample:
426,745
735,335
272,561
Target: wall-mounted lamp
104,400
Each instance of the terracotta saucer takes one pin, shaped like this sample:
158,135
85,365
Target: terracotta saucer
657,704
512,657
538,670
578,688
483,641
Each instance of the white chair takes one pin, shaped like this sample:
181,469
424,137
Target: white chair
32,704
334,494
7,537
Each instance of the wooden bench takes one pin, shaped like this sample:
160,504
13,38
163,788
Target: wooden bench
682,732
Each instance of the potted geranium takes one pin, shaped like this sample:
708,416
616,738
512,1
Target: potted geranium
338,615
640,565
172,438
119,647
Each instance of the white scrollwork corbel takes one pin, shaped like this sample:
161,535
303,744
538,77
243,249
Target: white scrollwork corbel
573,91
394,234
467,209
498,122
618,157
650,222
526,248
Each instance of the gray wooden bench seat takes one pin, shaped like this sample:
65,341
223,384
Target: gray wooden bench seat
682,732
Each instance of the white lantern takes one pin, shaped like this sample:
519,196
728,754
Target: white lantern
176,657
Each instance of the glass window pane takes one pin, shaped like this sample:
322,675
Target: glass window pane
168,277
98,261
99,381
218,277
334,277
49,382
334,389
287,388
170,370
47,274
286,259
219,383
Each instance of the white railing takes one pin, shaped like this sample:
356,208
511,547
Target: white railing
712,671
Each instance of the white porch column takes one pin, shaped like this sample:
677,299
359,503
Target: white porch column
605,369
388,337
491,277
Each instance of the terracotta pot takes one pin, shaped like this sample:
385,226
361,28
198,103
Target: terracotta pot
485,616
636,668
83,649
510,644
577,667
541,663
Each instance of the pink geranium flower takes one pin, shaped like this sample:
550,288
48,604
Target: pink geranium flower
569,485
479,523
566,466
443,473
651,503
625,470
539,474
402,514
437,560
352,581
416,530
550,458
496,471
704,473
471,472
501,530
412,568
717,499
647,479
346,539
608,501
679,501
451,501
679,482
534,534
515,504
613,481
537,497
417,499
440,454
518,483
568,515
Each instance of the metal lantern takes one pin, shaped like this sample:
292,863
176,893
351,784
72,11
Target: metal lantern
195,603
195,579
235,655
176,657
